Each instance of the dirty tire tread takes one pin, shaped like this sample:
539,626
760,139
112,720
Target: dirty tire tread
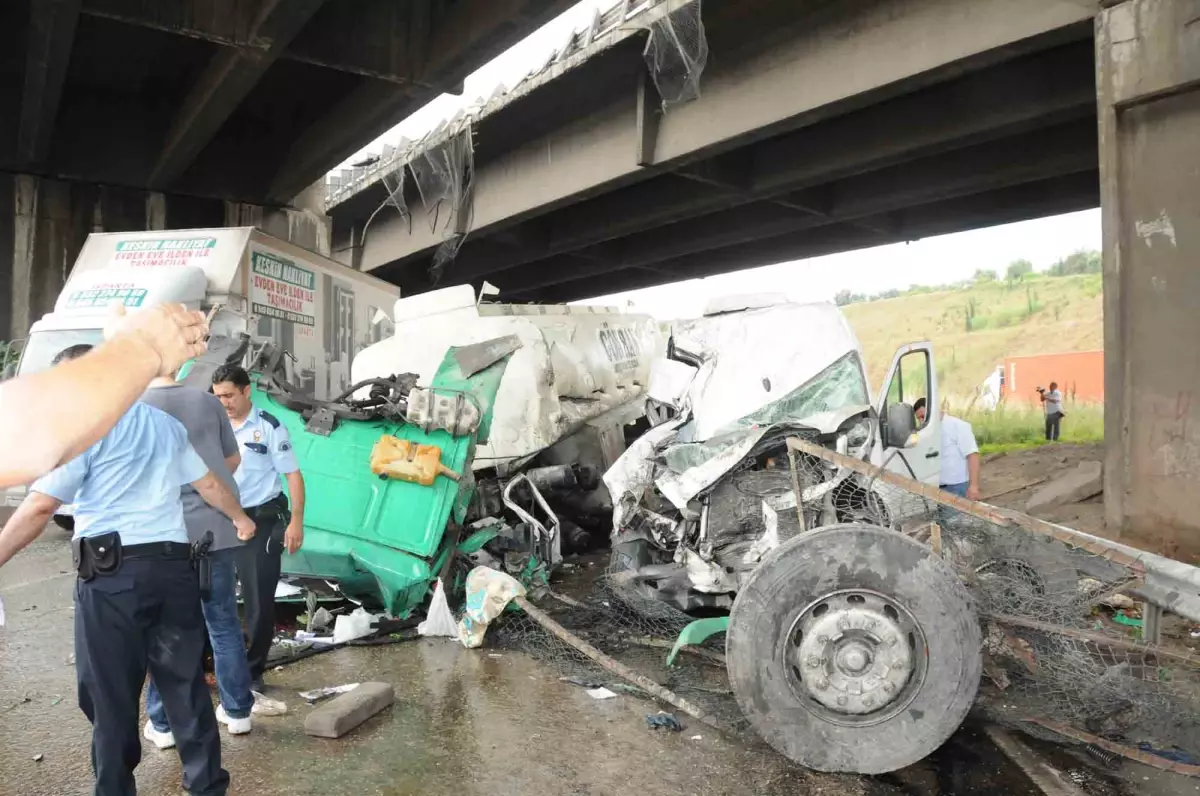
847,557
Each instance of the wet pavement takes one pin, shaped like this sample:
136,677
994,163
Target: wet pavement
464,722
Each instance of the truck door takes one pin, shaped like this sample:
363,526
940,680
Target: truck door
913,377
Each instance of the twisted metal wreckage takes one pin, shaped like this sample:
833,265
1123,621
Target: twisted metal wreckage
863,607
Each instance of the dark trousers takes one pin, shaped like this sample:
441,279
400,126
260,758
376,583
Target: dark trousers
145,617
258,566
1053,426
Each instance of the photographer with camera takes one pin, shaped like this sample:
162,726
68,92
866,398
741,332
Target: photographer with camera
1052,402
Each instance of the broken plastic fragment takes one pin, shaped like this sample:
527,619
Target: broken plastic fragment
317,694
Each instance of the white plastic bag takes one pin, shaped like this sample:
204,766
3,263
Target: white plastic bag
440,619
488,593
356,625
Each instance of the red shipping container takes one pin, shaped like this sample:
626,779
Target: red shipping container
1080,376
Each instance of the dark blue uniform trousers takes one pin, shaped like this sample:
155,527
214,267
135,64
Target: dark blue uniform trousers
146,616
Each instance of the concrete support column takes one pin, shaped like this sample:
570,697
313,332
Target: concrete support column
43,224
1148,78
305,224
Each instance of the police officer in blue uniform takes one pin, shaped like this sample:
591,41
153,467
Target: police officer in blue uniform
267,454
137,598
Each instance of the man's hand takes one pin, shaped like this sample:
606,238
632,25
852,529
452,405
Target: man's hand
973,491
293,537
245,527
172,332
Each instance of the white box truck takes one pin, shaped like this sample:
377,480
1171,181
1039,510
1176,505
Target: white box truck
319,311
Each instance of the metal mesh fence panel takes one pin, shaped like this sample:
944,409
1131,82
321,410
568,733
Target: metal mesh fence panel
676,54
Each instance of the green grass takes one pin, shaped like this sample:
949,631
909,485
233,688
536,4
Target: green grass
1013,427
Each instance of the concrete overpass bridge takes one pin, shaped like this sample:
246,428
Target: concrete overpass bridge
826,126
143,114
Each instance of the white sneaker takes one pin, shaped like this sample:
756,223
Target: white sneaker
163,740
235,726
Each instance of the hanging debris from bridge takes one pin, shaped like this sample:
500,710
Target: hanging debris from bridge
676,54
445,177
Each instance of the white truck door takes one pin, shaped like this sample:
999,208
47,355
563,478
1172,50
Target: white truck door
911,378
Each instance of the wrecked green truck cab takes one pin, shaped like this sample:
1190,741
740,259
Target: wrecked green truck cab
381,540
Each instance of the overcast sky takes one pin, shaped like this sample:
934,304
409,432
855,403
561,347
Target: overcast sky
929,261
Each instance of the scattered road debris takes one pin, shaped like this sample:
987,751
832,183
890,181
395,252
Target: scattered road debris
1108,759
1147,756
38,757
439,620
488,593
264,706
336,718
317,694
1048,779
601,693
663,721
354,626
580,682
614,666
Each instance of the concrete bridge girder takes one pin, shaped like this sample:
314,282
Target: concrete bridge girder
752,97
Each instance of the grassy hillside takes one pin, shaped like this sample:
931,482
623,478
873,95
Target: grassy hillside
974,327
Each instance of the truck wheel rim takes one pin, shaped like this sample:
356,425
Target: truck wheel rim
855,657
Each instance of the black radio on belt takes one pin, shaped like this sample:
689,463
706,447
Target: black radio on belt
203,564
96,555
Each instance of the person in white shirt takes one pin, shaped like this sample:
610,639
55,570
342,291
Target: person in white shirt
959,455
1052,401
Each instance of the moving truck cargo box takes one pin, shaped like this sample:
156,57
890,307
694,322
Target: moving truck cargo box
319,311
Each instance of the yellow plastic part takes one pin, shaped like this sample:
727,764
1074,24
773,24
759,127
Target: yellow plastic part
408,461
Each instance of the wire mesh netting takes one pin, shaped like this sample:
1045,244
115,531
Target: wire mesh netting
676,53
1056,653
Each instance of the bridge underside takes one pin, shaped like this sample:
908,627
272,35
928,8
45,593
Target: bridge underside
243,100
1005,134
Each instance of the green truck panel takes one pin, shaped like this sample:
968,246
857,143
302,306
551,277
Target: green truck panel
381,539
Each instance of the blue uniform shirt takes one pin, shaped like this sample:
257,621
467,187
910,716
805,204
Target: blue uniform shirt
266,454
129,481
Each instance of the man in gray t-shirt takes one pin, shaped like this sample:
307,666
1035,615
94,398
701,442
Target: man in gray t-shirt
212,436
1052,400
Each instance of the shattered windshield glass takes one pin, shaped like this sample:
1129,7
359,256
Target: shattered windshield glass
839,385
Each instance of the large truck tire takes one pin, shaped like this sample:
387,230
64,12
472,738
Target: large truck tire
853,648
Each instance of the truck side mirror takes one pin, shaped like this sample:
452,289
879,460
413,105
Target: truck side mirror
899,425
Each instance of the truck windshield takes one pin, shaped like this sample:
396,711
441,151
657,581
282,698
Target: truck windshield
42,347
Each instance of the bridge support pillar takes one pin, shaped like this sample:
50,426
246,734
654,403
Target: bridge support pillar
1148,79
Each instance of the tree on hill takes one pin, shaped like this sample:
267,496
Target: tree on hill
1084,261
1018,270
983,275
844,297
